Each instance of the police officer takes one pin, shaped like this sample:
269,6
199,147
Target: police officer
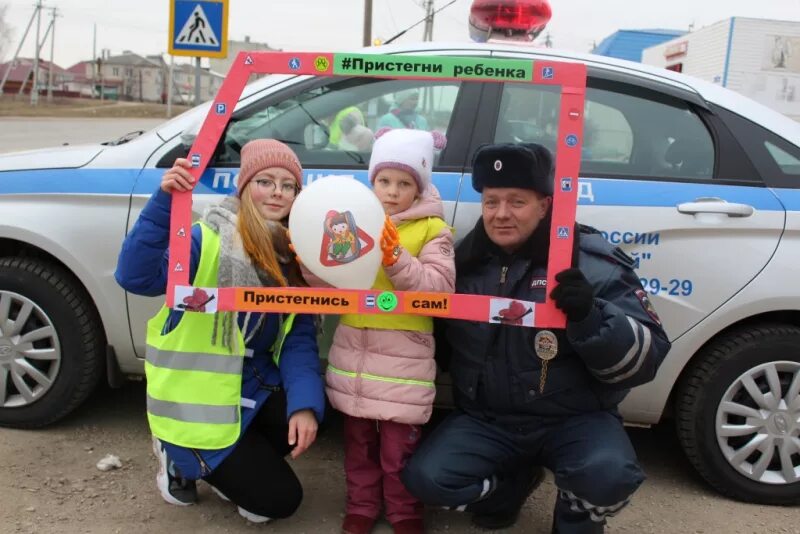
530,397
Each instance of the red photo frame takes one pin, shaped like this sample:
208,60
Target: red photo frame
571,77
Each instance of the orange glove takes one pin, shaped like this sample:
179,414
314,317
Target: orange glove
390,243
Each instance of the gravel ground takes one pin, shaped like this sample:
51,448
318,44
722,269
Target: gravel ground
50,484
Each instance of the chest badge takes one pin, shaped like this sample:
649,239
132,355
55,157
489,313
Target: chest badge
545,343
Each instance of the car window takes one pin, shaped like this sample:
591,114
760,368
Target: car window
334,124
788,163
624,134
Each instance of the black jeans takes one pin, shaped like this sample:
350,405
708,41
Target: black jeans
256,476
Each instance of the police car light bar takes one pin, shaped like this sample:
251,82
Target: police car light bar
508,19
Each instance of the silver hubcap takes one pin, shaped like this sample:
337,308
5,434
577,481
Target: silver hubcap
30,354
758,423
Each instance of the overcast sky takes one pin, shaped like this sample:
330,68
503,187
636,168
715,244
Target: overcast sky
336,25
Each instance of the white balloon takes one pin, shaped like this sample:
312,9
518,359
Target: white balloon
336,224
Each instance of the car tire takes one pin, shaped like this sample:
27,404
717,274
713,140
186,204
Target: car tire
51,343
733,418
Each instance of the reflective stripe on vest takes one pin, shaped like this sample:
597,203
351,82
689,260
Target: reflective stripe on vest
413,236
193,413
210,363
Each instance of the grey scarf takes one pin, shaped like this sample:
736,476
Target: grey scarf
235,267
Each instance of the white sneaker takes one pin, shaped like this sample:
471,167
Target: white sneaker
253,518
173,487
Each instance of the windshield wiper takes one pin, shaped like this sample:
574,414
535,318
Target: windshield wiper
130,136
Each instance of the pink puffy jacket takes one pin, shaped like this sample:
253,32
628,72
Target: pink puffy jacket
360,357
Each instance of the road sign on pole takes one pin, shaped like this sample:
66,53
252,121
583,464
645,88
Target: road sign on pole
198,28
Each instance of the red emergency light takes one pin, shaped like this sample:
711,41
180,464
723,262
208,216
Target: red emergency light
508,19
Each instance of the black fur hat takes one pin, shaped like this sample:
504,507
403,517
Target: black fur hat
522,165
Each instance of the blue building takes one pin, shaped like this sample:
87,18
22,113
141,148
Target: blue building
629,44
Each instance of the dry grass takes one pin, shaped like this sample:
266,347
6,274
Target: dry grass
83,107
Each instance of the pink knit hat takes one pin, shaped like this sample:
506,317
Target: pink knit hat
261,154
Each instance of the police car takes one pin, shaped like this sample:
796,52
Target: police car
700,186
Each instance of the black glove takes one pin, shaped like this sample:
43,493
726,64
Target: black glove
573,294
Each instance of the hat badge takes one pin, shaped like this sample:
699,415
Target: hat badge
498,165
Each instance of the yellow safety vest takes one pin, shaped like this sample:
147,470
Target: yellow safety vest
413,236
194,386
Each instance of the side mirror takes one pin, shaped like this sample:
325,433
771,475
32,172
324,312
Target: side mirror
315,137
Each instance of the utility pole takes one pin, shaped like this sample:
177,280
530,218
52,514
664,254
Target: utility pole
197,78
16,54
427,34
169,86
35,88
41,44
52,48
367,40
94,60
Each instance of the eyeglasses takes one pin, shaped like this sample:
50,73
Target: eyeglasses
288,189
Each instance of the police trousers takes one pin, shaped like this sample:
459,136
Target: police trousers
470,462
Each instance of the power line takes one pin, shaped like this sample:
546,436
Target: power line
419,22
391,14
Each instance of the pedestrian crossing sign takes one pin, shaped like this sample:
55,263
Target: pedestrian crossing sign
198,28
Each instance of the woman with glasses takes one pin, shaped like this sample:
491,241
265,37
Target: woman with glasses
229,394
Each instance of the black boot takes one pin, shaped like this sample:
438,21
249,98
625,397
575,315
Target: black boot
501,509
568,521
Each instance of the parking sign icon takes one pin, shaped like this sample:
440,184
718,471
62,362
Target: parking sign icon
221,109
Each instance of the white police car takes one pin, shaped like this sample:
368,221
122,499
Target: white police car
699,185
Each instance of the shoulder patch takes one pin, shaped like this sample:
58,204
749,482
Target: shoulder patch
644,300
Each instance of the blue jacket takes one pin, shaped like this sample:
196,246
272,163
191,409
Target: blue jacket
142,270
495,368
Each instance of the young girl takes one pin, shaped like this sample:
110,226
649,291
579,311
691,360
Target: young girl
381,369
221,387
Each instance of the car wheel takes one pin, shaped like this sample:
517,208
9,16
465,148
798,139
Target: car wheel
738,414
51,344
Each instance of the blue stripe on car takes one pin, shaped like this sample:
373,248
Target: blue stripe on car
593,191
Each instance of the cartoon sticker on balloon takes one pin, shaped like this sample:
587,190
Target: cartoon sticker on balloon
343,240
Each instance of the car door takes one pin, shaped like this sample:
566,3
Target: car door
330,123
662,178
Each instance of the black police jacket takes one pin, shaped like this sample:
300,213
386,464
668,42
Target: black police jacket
495,369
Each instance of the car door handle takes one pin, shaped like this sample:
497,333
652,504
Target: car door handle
716,205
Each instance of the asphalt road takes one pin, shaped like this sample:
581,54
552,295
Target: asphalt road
26,133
